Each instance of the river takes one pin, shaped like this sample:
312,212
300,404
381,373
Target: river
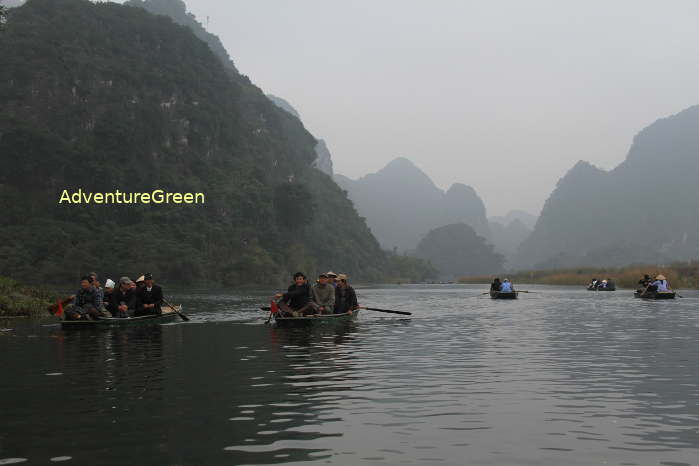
559,377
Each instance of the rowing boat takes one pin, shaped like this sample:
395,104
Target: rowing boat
654,294
503,294
317,319
168,315
602,289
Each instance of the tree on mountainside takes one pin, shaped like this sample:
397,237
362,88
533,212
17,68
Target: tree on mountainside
294,205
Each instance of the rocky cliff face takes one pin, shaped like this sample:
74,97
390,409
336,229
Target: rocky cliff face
323,160
643,211
401,204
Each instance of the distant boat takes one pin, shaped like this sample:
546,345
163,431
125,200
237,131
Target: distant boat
609,288
654,294
503,294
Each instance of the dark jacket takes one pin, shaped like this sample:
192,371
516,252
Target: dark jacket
127,297
87,298
154,296
297,296
345,299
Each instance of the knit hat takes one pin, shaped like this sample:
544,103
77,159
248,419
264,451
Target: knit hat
109,283
125,281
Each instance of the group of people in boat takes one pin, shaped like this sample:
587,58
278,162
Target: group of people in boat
502,287
601,284
659,284
130,298
330,294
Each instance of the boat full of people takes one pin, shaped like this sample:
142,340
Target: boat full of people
502,290
329,300
601,285
131,302
654,288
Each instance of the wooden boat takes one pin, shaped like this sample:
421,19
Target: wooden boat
602,289
169,314
503,295
318,319
654,294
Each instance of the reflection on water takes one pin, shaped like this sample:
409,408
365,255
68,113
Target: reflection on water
560,377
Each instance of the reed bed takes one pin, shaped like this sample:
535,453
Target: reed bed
680,275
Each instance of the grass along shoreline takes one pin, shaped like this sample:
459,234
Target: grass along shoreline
680,275
17,300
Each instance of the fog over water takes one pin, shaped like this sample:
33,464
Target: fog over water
505,96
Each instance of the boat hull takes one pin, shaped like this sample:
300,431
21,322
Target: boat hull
601,289
168,315
655,295
503,295
329,319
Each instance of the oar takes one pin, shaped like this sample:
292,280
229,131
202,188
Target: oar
388,311
184,317
524,291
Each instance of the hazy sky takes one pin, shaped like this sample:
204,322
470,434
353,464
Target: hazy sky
503,95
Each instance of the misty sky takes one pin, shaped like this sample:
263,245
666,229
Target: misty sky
503,95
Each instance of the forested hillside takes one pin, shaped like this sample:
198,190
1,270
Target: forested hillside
104,97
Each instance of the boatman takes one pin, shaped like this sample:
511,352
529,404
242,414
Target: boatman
324,295
150,297
495,286
296,302
345,297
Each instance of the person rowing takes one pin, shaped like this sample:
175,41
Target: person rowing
345,296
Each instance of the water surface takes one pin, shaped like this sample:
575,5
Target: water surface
563,376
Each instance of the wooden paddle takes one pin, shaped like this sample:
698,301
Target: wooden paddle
388,311
184,317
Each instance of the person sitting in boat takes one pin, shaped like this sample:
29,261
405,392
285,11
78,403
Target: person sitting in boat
108,290
645,281
140,282
661,285
332,278
593,284
297,301
603,284
506,286
150,297
345,297
86,302
124,300
495,286
324,295
102,310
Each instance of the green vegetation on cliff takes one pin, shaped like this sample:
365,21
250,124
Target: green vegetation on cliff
103,97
